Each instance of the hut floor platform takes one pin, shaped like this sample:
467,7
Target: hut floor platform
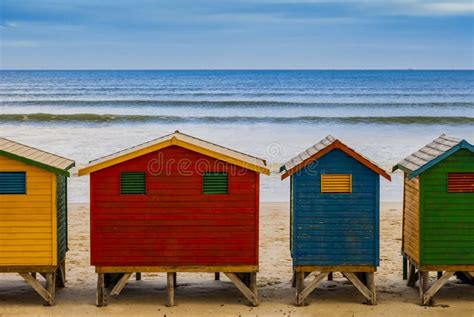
362,277
115,278
413,272
54,276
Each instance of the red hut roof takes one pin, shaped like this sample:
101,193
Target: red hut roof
184,141
320,149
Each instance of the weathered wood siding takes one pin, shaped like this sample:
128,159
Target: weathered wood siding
411,218
175,223
61,197
447,219
27,236
335,229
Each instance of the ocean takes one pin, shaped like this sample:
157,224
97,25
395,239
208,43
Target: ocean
385,115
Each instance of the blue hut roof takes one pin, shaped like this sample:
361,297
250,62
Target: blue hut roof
320,149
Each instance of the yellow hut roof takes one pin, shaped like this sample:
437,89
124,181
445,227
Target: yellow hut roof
32,156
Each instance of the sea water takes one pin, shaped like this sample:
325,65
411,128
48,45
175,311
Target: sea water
386,115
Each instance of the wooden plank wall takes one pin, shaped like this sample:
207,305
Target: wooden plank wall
174,223
62,216
447,219
411,218
26,221
335,229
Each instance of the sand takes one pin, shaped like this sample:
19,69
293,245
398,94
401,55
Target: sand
200,295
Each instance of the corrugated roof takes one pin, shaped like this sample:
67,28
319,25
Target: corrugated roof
35,156
321,148
431,154
183,140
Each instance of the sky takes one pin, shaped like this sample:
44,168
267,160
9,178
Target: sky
236,34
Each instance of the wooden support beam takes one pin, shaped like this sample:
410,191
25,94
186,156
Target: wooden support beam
304,293
165,269
330,276
100,294
51,287
337,268
217,276
426,299
251,296
138,276
299,284
170,278
44,293
360,286
465,277
29,269
120,284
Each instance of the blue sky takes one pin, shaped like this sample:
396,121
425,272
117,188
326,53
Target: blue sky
236,34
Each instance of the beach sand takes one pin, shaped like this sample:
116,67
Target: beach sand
199,295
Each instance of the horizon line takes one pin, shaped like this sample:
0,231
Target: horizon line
237,69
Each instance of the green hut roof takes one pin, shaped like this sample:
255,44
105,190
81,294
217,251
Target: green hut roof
35,157
431,154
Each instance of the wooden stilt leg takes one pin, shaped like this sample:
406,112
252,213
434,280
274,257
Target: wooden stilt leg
51,288
405,268
364,290
61,276
138,276
170,288
429,293
299,283
44,293
100,290
330,276
440,273
304,293
370,278
423,277
411,275
217,276
63,266
253,284
244,289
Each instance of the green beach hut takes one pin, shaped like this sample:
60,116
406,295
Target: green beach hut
438,213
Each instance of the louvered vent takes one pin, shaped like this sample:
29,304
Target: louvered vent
215,183
461,182
133,183
336,183
12,183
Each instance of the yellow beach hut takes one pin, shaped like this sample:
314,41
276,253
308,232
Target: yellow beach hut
33,215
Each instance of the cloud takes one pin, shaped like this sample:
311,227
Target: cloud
19,43
449,7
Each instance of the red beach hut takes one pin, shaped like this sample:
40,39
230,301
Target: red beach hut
175,204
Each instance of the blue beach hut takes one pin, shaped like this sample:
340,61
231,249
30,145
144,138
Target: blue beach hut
334,207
